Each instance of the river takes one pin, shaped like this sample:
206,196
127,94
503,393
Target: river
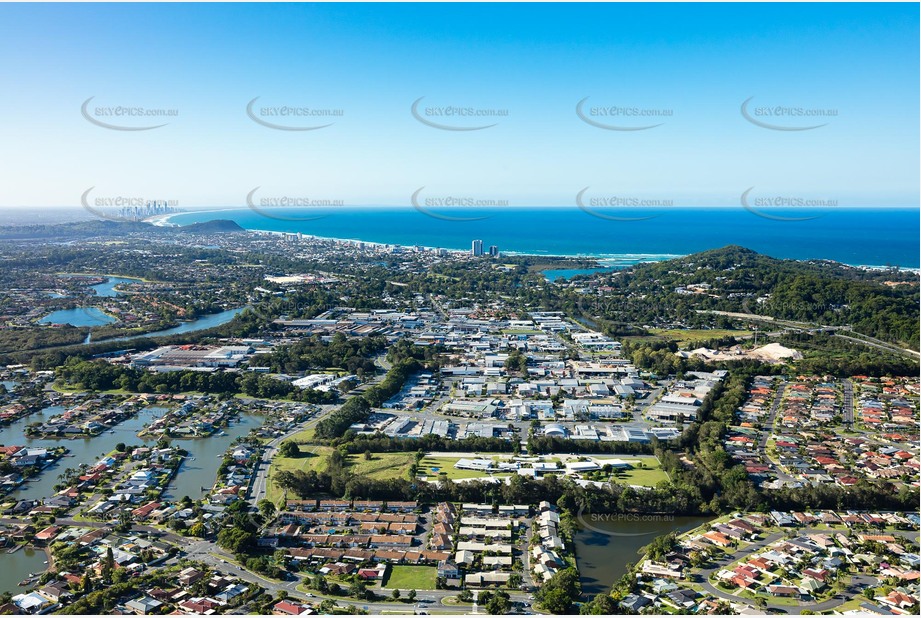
17,567
197,471
90,316
80,316
201,323
107,289
86,450
193,475
205,455
607,543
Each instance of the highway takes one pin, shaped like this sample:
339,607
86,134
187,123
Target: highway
808,327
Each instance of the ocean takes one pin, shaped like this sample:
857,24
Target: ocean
860,237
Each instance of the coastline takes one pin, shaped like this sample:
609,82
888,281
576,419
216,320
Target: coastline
164,221
631,258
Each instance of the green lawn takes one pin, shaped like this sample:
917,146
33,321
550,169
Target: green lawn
650,475
446,465
645,477
381,465
410,578
312,458
304,436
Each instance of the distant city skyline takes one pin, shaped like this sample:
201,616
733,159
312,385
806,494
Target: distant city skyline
506,105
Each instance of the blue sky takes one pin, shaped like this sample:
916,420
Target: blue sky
535,61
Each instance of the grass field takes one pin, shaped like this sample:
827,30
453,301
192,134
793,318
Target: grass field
314,459
650,475
410,578
645,477
304,436
695,336
381,465
446,464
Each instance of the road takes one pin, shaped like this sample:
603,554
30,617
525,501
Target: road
768,430
857,584
437,306
257,489
210,554
847,412
881,345
811,327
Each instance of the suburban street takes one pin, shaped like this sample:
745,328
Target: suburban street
857,583
847,405
258,487
768,429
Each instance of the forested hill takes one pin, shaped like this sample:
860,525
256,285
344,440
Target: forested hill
879,303
216,226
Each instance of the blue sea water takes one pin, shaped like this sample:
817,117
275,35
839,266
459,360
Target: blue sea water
866,237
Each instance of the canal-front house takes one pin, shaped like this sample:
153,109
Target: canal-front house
47,535
55,592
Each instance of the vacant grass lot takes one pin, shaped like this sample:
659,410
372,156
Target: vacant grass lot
694,336
312,458
645,477
649,475
381,465
410,578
